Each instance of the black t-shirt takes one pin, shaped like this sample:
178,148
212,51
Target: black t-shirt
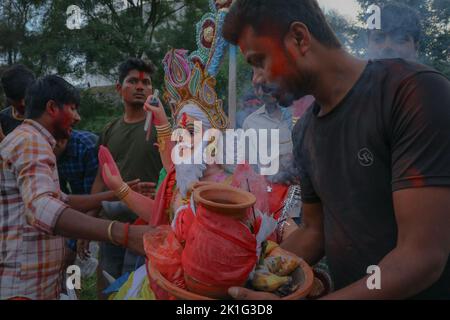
7,121
391,132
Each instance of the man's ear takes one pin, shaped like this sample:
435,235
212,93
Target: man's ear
298,38
119,88
52,108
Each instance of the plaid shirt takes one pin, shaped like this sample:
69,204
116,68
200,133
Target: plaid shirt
77,166
31,256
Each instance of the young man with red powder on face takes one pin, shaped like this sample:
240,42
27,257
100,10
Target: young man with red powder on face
136,158
374,153
35,216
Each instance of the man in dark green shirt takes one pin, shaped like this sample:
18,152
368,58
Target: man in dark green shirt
136,157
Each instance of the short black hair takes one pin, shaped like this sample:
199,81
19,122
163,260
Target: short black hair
135,64
15,81
400,17
49,88
275,17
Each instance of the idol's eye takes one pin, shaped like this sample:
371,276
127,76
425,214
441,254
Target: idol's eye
190,127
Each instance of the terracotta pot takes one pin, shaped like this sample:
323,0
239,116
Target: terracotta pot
224,199
213,292
303,275
172,289
199,184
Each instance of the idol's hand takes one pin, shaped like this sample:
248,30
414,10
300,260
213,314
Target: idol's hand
246,294
113,182
110,172
159,115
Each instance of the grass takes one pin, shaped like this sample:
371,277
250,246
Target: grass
89,288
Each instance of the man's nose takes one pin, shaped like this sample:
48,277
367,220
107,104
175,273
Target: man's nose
388,44
140,86
77,117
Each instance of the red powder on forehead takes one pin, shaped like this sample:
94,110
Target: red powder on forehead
184,120
271,48
141,75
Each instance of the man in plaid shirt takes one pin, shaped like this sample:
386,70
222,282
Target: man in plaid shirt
34,214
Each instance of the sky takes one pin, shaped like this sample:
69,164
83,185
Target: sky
348,8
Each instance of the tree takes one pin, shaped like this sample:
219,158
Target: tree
16,20
348,33
113,30
38,33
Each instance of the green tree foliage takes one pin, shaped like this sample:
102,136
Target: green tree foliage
17,19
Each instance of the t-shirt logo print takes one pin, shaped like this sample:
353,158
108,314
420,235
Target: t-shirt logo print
365,157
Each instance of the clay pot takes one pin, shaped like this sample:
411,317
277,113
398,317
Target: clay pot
205,290
199,184
304,276
224,199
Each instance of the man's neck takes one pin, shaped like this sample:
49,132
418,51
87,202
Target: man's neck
133,114
274,111
43,122
17,114
340,72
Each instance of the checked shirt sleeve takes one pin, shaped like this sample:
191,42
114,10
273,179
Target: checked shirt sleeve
35,166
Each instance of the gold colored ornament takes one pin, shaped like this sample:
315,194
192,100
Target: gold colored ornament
208,34
199,90
123,191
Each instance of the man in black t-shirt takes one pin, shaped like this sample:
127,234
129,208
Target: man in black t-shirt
15,81
373,154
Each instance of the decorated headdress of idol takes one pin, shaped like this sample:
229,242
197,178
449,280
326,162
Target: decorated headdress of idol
189,79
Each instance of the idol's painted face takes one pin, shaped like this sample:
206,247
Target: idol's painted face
136,88
187,123
391,45
275,60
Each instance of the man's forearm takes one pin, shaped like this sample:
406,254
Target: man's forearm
403,275
305,243
98,185
85,203
74,224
